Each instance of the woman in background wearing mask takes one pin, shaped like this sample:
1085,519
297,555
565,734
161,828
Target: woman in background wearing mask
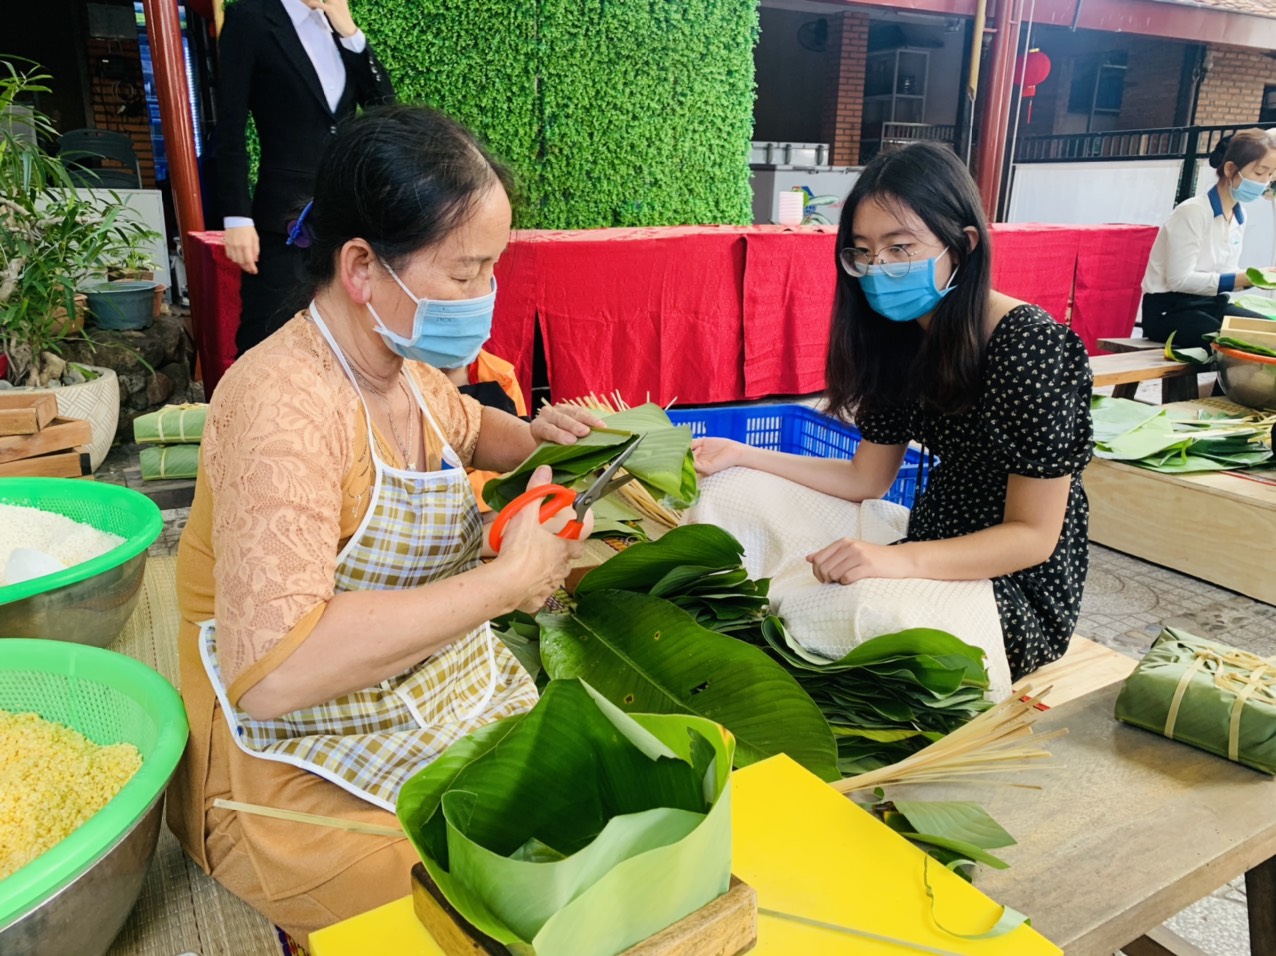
1194,262
922,348
334,636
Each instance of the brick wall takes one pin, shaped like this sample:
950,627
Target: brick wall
1152,76
111,87
844,104
1233,89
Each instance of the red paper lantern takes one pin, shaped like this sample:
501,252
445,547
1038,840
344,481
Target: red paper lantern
1031,71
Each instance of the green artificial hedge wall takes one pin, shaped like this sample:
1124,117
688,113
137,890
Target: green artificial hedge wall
611,112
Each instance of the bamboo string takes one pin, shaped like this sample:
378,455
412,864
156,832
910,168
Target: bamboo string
850,931
314,819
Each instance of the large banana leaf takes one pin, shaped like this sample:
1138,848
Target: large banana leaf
646,655
643,566
698,568
890,696
663,462
570,464
585,831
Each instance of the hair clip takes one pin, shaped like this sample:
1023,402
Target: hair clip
298,235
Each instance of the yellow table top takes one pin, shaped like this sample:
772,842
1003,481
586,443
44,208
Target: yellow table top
807,851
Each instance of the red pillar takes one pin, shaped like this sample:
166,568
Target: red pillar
995,125
164,30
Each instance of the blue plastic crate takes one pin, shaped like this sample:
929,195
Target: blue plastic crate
796,429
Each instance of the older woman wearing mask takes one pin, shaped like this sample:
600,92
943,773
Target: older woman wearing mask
334,636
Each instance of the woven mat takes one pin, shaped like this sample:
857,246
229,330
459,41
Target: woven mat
180,910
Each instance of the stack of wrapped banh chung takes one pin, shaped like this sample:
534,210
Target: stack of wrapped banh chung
171,438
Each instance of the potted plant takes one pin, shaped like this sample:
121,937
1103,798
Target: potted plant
53,239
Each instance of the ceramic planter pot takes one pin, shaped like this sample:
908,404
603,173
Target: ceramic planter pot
123,305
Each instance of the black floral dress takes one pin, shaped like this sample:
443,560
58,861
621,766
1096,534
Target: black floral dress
1032,418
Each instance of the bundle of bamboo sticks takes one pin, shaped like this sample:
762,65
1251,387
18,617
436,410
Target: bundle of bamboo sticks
994,742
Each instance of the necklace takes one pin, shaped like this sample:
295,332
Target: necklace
409,460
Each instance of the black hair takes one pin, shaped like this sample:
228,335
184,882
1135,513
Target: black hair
1241,148
402,178
874,362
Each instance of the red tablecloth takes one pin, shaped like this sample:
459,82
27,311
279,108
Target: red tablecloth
1110,267
642,316
789,282
214,292
708,314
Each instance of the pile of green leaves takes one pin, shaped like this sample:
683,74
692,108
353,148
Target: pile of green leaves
890,696
663,464
676,626
1204,359
1154,437
695,567
555,831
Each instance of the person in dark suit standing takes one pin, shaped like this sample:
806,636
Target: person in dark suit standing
299,67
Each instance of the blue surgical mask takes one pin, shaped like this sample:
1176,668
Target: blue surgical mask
907,297
446,333
1248,190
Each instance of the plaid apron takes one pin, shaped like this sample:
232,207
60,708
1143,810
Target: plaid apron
419,527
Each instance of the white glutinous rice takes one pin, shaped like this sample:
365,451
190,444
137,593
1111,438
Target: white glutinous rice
68,542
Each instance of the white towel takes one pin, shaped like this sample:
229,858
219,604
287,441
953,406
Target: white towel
780,522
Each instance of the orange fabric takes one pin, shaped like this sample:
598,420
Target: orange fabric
489,368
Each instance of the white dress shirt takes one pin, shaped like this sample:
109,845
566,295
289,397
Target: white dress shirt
1197,251
315,33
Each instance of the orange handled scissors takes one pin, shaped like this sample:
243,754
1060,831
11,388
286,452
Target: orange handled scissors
560,497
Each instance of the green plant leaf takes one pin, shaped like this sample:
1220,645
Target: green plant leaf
955,820
662,462
1260,278
555,831
646,655
643,567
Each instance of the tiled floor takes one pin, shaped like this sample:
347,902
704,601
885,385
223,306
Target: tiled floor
1126,604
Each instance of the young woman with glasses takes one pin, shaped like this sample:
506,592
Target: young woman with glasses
923,349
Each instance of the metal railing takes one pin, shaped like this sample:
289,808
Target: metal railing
913,132
1118,144
1187,144
898,134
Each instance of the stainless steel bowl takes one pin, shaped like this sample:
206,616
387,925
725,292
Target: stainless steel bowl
93,611
1247,379
86,915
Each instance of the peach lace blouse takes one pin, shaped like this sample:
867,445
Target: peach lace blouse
284,481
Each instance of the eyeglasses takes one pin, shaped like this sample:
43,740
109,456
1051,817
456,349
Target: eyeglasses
896,261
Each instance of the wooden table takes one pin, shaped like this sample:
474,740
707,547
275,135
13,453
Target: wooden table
1130,830
1145,513
1125,370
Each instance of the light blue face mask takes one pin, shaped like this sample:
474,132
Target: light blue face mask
908,297
1248,190
446,333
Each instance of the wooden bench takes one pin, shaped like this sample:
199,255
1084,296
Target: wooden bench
1126,369
1129,345
1086,666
